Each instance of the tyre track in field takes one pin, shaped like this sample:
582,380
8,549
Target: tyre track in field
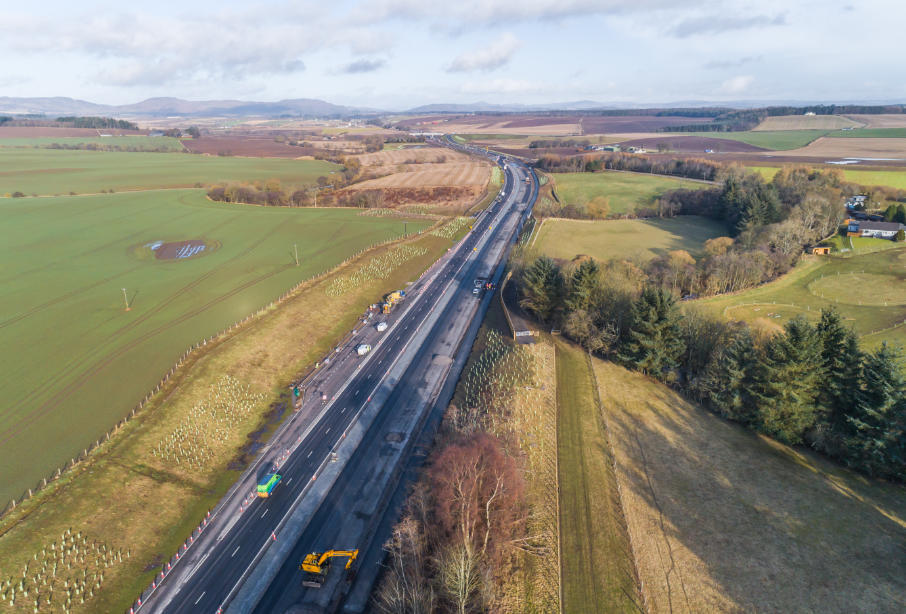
57,300
13,430
68,370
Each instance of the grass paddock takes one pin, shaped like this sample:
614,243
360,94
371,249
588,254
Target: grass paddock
626,191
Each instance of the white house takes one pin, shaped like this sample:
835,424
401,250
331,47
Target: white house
878,230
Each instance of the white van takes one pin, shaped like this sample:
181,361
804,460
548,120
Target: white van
362,349
381,327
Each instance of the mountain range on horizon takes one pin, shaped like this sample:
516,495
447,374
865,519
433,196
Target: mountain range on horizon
169,106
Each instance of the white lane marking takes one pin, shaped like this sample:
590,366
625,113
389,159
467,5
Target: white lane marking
265,513
228,527
199,599
235,551
328,430
356,392
309,454
194,569
288,481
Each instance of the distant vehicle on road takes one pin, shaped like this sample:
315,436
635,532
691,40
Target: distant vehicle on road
324,398
268,483
476,291
362,349
381,327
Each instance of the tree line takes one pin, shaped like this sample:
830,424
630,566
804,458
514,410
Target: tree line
97,122
693,168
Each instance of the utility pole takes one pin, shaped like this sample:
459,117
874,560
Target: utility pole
297,253
405,229
127,299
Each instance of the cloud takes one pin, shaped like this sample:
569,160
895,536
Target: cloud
736,85
492,57
360,66
732,63
720,24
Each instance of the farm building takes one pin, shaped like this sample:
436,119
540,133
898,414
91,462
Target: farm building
819,250
877,230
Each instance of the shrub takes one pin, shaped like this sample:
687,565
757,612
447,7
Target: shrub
900,236
18,195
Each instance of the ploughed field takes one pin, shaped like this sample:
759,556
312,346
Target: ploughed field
46,172
75,361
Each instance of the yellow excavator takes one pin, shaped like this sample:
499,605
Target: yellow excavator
317,564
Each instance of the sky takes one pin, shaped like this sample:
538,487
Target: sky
398,54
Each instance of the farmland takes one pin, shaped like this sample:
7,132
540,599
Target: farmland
724,520
420,154
853,148
566,239
75,360
124,142
781,140
893,178
876,133
446,174
807,122
49,171
864,287
157,501
891,120
626,191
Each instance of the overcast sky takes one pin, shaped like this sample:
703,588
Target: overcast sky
396,54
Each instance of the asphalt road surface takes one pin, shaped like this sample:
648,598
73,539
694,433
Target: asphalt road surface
213,569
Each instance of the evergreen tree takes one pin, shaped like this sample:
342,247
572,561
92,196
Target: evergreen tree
841,360
890,213
878,442
583,284
900,216
655,340
789,380
734,395
542,287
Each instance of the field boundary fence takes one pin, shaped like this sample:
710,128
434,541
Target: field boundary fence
44,483
867,250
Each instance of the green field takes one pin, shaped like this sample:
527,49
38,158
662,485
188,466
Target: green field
870,133
49,171
567,239
594,555
780,140
74,360
624,190
114,141
858,285
895,178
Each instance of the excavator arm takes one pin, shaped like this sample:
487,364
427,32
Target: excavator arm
352,554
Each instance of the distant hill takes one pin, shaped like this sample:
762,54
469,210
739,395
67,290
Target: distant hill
166,106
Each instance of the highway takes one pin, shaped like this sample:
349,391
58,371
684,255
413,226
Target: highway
225,567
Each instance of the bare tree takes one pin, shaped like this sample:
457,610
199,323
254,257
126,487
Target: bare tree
459,577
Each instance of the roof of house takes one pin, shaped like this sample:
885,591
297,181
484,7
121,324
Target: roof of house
883,226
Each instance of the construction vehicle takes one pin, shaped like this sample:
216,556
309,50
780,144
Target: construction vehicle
317,564
362,349
268,483
324,398
391,299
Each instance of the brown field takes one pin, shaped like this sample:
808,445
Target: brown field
499,127
692,144
807,122
443,200
422,154
853,148
724,520
880,121
8,132
610,125
474,174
